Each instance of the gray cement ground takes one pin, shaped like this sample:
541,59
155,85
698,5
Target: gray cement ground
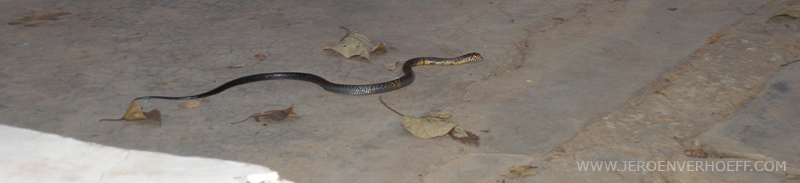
561,82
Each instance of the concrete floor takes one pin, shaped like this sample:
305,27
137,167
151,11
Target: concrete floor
561,82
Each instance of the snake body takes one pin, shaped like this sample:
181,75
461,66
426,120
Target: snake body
366,89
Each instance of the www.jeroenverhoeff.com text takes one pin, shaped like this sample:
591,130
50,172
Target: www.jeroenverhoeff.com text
689,166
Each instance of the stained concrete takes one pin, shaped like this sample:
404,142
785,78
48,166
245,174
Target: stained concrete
557,81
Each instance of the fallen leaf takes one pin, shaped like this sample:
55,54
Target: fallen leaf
190,104
237,66
154,116
274,115
521,171
260,57
438,115
134,113
459,132
355,44
465,136
792,11
428,126
204,101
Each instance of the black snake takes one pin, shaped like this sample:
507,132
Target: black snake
395,84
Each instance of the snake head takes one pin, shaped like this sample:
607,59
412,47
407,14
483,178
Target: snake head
472,57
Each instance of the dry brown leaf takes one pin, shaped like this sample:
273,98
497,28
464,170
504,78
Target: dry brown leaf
435,124
190,104
260,57
521,171
134,113
154,116
792,11
428,126
465,136
274,115
355,44
459,132
238,66
437,115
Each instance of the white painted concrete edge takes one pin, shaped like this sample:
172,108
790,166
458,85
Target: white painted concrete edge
31,156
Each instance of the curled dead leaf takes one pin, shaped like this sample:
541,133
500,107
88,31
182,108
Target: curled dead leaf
792,11
442,115
134,113
238,66
521,171
190,104
434,124
154,116
274,115
465,136
427,126
260,57
355,44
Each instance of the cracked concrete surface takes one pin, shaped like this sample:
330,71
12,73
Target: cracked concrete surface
561,81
